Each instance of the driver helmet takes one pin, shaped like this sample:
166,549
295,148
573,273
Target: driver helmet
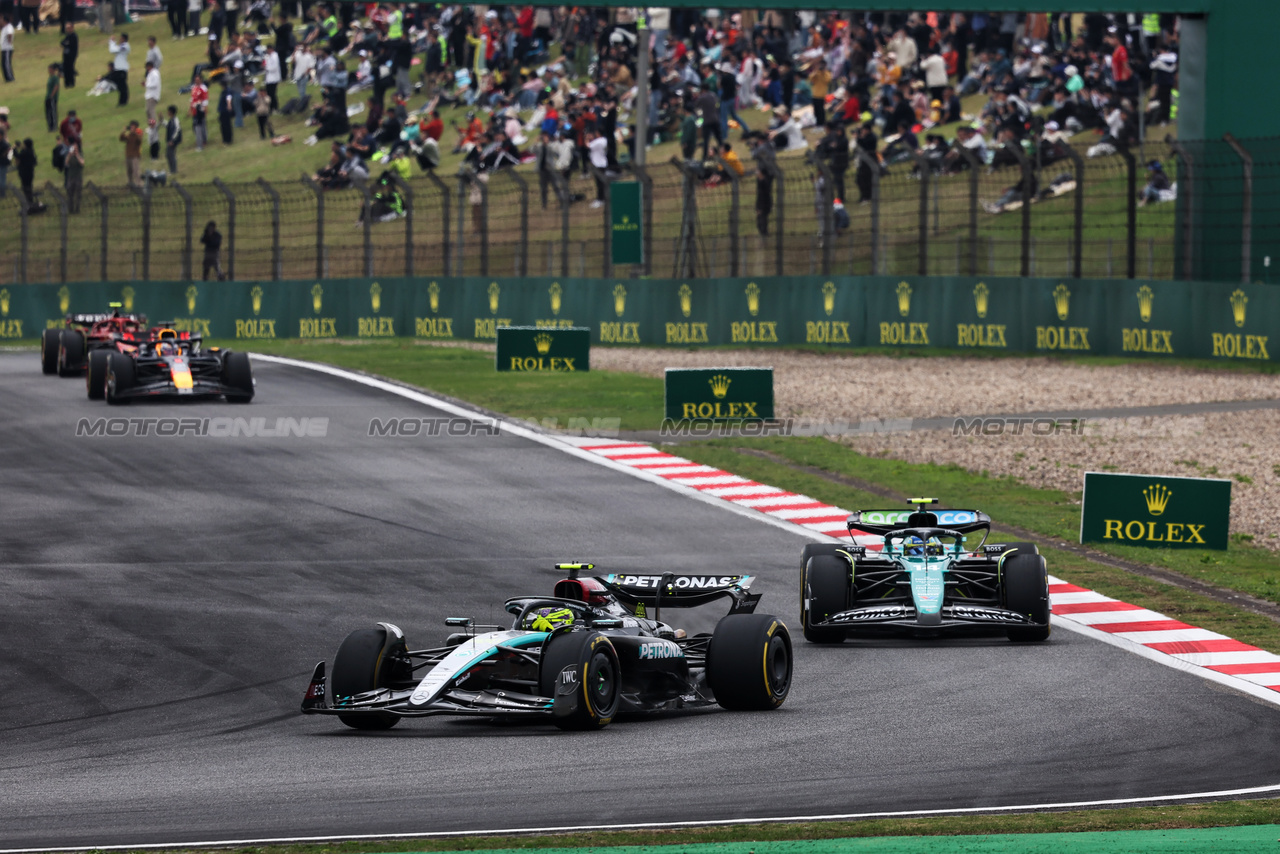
548,619
917,547
168,349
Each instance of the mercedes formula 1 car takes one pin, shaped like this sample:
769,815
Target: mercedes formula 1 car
66,351
169,363
925,580
596,649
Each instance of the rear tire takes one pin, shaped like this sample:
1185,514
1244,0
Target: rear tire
121,376
237,374
360,666
70,353
824,582
49,350
95,378
1024,583
598,672
740,645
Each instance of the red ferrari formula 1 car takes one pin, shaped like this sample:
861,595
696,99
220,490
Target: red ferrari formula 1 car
65,351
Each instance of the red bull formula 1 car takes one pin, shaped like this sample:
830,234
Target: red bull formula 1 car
924,580
65,351
595,649
169,363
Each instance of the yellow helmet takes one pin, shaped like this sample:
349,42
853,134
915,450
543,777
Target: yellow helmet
548,619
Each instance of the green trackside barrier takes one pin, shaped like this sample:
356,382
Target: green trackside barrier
1101,317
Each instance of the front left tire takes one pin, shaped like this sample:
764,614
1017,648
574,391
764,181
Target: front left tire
95,378
599,677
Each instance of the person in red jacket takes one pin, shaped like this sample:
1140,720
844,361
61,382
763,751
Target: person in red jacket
433,128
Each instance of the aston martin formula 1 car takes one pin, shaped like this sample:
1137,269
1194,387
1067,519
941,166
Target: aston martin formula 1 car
596,649
925,580
65,351
169,363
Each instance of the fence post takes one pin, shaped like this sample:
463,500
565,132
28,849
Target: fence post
1077,248
319,191
1246,207
1028,175
367,219
524,220
444,218
1131,218
407,191
562,193
102,203
827,214
461,262
975,165
187,221
735,217
62,228
1186,189
873,165
922,216
646,202
231,227
606,264
276,264
686,252
144,193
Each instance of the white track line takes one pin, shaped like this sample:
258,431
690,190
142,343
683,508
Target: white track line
594,828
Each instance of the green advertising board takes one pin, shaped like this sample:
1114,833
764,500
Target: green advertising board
627,240
535,349
1096,317
1157,512
719,394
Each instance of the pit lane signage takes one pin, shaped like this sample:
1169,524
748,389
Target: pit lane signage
534,349
1157,512
719,394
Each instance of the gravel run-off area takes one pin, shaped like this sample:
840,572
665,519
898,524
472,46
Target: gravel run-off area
1244,446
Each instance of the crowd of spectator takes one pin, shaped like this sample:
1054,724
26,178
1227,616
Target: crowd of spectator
557,87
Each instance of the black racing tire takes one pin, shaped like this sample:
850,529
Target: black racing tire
1024,588
95,377
121,376
237,374
49,350
70,353
361,665
815,549
749,662
825,583
599,673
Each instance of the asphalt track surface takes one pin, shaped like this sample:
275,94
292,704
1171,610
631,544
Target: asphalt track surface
163,599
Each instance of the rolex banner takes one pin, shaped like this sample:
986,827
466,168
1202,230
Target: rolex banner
1158,512
719,394
1081,316
538,349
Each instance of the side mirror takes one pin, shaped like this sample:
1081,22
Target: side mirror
461,622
